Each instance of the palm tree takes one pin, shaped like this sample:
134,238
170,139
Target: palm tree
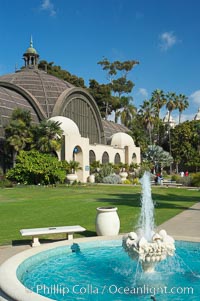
158,100
182,104
128,110
147,111
18,133
170,105
74,166
156,155
48,136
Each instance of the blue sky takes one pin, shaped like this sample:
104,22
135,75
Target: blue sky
163,35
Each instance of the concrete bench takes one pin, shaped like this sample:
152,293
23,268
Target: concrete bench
167,183
69,230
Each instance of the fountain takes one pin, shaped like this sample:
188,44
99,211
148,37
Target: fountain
147,246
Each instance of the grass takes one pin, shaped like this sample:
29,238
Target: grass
35,206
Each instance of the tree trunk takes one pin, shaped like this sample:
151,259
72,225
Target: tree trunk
177,168
170,147
14,157
106,116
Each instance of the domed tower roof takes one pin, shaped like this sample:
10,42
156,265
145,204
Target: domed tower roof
121,140
170,121
31,56
31,49
68,126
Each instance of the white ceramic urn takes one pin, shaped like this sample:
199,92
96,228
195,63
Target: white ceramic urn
123,175
107,221
91,178
71,177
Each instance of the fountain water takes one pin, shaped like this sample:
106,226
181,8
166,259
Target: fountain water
147,246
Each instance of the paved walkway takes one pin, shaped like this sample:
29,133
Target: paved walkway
9,251
184,226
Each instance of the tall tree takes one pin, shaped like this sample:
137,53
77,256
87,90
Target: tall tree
147,112
185,141
181,104
117,73
171,105
128,110
138,132
61,73
48,136
102,96
18,133
158,100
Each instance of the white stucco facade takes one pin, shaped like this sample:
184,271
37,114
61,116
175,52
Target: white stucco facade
79,148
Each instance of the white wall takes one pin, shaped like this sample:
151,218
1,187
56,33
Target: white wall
82,156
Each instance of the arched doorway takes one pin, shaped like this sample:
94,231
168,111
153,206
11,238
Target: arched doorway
105,158
78,156
92,156
117,159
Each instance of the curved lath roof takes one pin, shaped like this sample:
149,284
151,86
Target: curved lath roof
44,87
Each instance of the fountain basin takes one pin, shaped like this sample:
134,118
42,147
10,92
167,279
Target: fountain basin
106,265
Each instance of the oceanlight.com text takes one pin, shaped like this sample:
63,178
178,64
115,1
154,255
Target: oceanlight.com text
111,289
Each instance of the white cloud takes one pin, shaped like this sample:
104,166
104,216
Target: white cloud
185,117
48,6
175,116
143,92
195,97
168,40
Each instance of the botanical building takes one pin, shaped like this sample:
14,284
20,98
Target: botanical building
46,96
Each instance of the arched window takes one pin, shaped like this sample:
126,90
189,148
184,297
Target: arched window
134,157
117,159
76,151
105,158
92,156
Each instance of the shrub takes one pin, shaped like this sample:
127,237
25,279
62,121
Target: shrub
33,167
185,181
127,181
5,183
136,181
112,179
175,178
105,171
196,180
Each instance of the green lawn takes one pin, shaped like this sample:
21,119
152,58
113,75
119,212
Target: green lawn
32,207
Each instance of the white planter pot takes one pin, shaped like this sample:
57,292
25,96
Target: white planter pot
91,179
123,175
71,177
107,221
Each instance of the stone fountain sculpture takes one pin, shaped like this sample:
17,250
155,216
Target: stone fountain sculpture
147,246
